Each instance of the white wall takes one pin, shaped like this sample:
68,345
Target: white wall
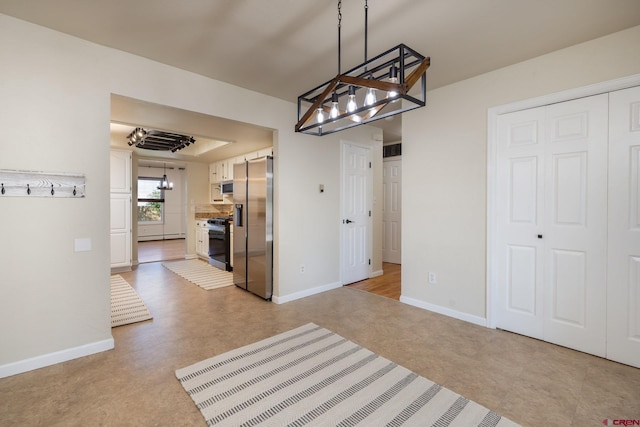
312,218
444,167
54,114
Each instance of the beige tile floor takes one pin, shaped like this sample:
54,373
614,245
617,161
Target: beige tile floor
532,382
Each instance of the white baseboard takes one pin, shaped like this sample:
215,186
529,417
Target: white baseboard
480,321
306,293
37,362
190,256
376,274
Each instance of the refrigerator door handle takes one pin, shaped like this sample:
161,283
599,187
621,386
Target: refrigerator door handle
238,215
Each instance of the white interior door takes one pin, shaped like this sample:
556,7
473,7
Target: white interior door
520,207
356,211
391,211
623,293
575,224
551,223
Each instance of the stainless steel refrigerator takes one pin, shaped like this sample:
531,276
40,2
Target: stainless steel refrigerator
253,226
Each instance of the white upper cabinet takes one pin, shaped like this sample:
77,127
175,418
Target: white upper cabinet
217,171
222,170
120,171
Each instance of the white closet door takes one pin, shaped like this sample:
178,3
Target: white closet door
623,296
575,224
519,221
552,223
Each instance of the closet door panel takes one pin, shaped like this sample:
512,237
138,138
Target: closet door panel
623,292
519,212
575,231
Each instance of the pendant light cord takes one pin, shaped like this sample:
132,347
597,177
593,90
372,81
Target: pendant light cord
366,25
339,28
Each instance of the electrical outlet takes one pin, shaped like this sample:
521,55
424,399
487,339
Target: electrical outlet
432,278
302,268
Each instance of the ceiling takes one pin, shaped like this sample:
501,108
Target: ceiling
286,47
216,138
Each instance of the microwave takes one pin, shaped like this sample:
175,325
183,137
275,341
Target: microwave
226,187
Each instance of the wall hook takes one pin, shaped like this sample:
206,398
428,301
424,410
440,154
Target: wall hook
52,192
28,189
74,190
3,190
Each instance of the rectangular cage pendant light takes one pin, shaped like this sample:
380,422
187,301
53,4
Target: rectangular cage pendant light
391,83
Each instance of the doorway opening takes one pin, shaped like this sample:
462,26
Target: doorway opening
387,285
160,214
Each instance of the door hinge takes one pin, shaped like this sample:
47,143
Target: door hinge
369,213
369,261
369,165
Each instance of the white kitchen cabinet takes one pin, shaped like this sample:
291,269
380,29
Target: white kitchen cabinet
212,172
120,172
228,168
217,171
120,209
202,239
120,219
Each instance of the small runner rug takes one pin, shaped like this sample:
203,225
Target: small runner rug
200,273
126,305
310,376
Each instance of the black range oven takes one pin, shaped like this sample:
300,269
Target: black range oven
220,243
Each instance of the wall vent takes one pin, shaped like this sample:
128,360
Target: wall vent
392,150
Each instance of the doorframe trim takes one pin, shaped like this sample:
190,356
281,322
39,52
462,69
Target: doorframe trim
344,142
492,142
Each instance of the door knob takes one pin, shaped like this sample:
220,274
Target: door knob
539,236
349,221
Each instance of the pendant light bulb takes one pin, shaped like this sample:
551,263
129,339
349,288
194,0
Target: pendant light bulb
393,78
320,116
351,103
335,111
370,99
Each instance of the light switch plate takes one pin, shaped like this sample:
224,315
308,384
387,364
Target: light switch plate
82,245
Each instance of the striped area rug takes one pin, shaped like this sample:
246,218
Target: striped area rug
201,273
126,305
310,376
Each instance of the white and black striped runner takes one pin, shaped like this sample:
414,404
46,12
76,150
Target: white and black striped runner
200,273
126,305
310,376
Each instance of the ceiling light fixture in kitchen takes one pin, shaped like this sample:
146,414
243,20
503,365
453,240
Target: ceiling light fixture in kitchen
159,140
394,73
166,185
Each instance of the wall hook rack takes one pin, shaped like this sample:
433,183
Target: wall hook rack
41,184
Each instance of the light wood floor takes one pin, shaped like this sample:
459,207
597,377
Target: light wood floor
161,250
531,382
387,285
